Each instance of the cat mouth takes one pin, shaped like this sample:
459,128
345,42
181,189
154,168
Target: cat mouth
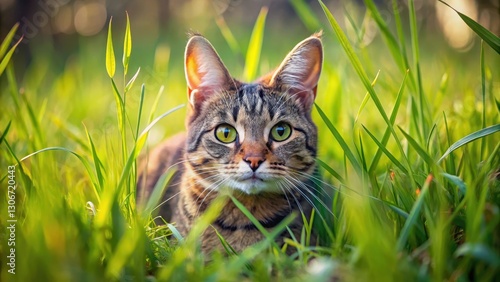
252,178
254,183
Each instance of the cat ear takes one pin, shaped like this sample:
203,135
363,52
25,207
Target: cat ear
205,72
299,72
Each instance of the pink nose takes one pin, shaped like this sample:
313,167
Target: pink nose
254,162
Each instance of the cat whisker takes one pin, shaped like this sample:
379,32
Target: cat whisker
210,191
318,179
298,185
317,189
339,190
165,201
176,194
283,188
290,188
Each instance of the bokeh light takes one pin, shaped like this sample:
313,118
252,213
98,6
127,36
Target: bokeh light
456,32
89,17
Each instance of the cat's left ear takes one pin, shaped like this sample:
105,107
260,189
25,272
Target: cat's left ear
299,72
205,72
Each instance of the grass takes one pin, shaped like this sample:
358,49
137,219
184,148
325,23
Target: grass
410,170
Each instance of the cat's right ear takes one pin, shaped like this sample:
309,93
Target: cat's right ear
205,72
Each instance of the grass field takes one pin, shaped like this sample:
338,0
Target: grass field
408,155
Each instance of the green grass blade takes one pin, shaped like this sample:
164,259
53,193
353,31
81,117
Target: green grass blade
269,235
14,94
413,216
416,60
110,53
97,161
450,165
155,104
479,251
358,31
483,93
490,38
138,147
471,137
175,232
228,36
127,46
382,147
203,222
120,111
141,140
392,119
70,131
402,38
397,210
24,177
356,63
306,15
5,61
420,151
414,32
366,98
330,170
349,154
258,248
5,131
429,138
462,187
387,35
227,247
361,152
127,245
9,148
7,40
130,83
158,191
249,215
139,114
34,121
347,48
253,53
82,160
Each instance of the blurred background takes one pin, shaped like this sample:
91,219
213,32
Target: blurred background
65,23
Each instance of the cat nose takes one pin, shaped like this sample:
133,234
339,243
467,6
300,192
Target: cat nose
254,162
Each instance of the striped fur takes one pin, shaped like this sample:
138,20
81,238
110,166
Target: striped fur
271,178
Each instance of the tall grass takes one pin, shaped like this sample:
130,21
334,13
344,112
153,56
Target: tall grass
410,190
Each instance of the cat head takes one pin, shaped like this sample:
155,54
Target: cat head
253,137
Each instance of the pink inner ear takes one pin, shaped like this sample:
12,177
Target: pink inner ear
314,69
205,72
192,75
300,71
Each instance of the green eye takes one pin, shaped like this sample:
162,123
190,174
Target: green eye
225,133
281,132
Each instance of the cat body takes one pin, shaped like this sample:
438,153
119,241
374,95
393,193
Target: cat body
255,141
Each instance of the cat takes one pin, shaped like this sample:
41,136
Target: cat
256,141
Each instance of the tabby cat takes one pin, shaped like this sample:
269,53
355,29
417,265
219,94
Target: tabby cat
254,140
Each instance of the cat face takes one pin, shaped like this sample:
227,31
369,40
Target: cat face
256,137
